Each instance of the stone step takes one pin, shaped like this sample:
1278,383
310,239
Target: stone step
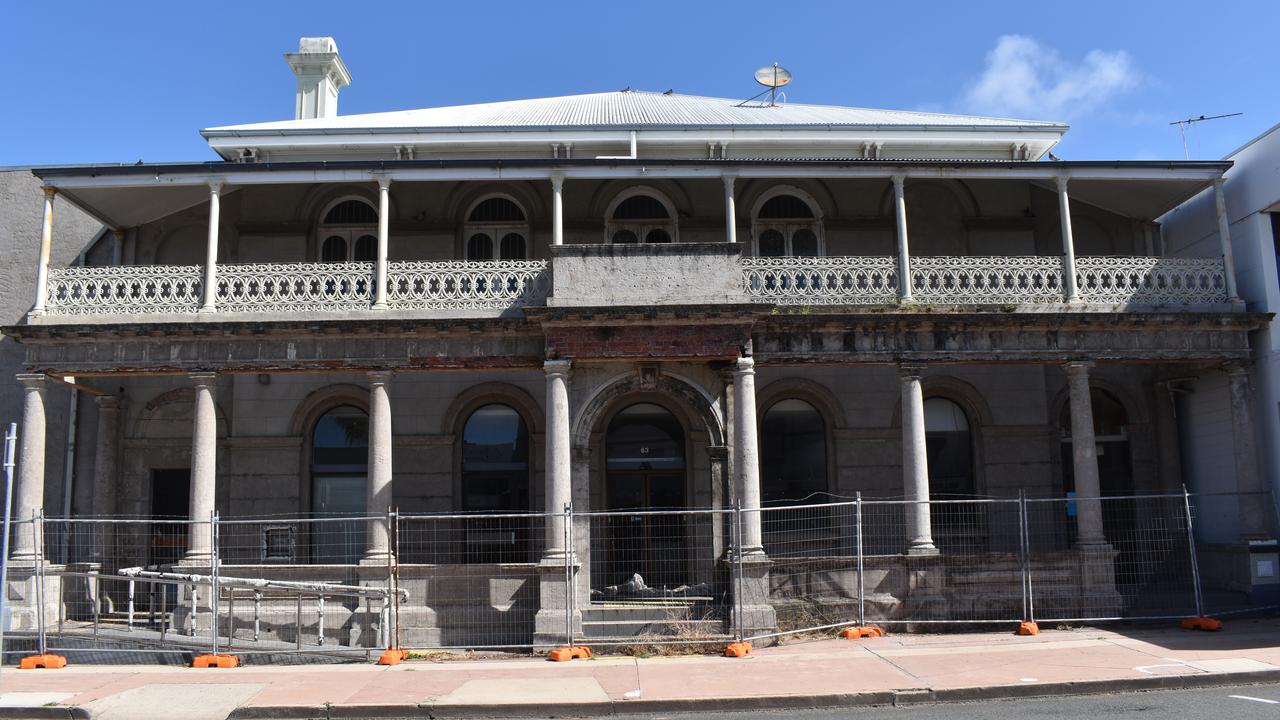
684,629
638,612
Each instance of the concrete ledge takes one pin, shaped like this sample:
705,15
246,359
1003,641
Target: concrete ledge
914,696
40,713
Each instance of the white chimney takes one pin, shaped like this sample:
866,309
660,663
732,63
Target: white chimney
321,74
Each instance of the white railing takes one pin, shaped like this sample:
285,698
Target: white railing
978,280
123,289
1151,281
285,287
821,280
456,285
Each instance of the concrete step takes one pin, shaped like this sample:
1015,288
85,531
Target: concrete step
638,612
685,629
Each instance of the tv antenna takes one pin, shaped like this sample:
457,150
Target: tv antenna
1184,124
772,77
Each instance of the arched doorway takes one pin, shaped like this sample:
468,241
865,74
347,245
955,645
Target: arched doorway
644,472
339,484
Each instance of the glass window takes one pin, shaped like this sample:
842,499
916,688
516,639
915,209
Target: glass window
786,225
495,460
334,249
339,484
513,247
804,243
625,237
772,244
366,248
645,436
785,207
351,212
638,217
950,449
641,207
496,209
657,236
793,446
480,247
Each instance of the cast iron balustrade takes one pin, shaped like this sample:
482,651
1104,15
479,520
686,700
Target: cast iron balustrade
286,287
821,280
1151,280
124,289
453,285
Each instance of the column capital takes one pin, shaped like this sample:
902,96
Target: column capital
379,377
557,368
49,191
215,186
729,178
910,371
1218,183
32,380
1061,182
557,181
1237,367
108,403
1078,367
899,180
744,366
384,182
202,378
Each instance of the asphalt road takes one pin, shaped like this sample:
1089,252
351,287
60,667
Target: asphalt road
1244,702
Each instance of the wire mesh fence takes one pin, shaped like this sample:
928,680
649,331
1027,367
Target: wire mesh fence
628,578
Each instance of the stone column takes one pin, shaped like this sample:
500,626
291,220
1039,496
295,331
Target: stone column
384,219
904,254
730,211
204,470
29,496
1084,458
1169,461
747,454
1224,237
1069,291
378,539
1255,508
105,461
915,464
557,210
211,251
46,245
559,489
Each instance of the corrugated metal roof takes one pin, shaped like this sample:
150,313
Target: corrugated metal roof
631,109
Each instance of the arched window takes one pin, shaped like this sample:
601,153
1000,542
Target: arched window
793,453
495,479
496,228
339,483
787,225
641,216
349,231
950,450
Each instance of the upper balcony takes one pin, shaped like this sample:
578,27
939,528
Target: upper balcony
413,242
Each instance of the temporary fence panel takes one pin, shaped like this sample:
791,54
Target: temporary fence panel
814,576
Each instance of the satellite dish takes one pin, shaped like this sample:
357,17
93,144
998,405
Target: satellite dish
773,76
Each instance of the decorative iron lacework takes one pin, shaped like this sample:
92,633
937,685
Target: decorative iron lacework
980,280
284,287
124,289
1151,280
453,285
821,280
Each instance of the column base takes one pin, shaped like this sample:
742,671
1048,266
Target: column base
22,600
1097,581
375,559
750,612
922,549
553,620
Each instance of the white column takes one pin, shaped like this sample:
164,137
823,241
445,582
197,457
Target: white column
1069,291
46,244
747,454
384,218
211,250
557,210
915,464
378,539
1084,457
559,484
730,211
1255,507
204,469
904,254
30,491
1224,237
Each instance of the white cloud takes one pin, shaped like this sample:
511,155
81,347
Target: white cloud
1025,78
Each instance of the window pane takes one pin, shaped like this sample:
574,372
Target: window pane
513,246
793,452
804,243
341,437
334,249
645,437
495,460
624,237
351,212
785,207
949,448
497,209
641,207
367,248
772,244
480,247
657,236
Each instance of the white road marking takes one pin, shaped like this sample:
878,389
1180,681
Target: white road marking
1261,700
1028,680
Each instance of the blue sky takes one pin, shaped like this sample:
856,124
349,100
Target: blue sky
119,82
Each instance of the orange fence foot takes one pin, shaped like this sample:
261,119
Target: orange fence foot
569,652
854,633
1027,627
1201,623
738,649
393,656
45,662
215,661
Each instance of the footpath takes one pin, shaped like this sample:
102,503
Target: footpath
896,669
